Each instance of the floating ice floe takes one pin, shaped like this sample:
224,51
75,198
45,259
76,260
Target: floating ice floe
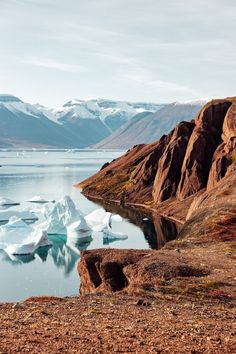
7,202
39,199
24,215
110,235
62,214
99,218
18,238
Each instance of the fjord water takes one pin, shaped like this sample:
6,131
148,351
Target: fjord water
52,174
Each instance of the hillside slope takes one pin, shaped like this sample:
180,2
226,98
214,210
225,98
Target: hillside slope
146,127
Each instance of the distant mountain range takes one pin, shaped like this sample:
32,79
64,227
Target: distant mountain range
83,123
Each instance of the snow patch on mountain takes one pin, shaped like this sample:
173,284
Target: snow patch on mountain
17,107
112,114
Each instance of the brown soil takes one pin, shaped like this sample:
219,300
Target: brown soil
119,324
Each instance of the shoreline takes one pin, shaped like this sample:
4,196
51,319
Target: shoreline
135,206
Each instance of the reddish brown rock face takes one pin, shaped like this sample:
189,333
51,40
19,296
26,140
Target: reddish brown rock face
225,154
102,271
169,166
201,146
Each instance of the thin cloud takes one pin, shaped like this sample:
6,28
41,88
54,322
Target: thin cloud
115,59
50,64
147,81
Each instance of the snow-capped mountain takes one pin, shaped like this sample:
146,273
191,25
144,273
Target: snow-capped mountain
112,113
24,125
78,123
16,106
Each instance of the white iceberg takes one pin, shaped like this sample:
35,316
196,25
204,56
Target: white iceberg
62,214
79,231
18,238
39,199
99,218
7,202
24,215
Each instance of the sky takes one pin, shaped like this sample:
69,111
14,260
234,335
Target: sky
52,51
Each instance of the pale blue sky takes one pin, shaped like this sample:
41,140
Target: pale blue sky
139,50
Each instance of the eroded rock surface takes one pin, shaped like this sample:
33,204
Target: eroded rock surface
115,270
169,165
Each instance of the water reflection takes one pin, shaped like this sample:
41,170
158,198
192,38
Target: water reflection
41,253
64,253
157,230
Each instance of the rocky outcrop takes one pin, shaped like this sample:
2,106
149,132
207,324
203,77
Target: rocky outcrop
129,178
102,271
194,156
115,270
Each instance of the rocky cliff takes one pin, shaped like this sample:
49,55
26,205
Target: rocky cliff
193,156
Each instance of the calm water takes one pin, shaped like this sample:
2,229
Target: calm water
52,174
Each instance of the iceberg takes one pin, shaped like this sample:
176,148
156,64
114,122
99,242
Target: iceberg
62,214
7,202
39,199
99,218
24,215
18,238
79,230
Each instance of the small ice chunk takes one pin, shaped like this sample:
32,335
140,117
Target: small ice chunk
113,235
60,215
24,215
39,199
15,222
7,202
116,217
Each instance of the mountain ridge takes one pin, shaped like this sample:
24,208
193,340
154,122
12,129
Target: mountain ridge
84,123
